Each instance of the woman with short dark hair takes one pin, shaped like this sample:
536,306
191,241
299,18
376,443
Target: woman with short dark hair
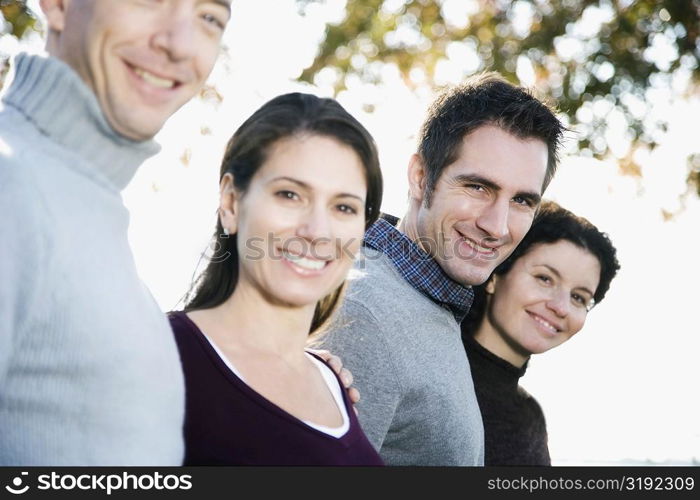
535,300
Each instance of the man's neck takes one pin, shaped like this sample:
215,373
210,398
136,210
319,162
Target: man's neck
53,97
408,225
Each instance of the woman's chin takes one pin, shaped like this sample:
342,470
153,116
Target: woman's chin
297,300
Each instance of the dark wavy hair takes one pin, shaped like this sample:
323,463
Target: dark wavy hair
284,116
482,100
551,224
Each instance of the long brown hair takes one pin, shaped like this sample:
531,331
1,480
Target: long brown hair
283,116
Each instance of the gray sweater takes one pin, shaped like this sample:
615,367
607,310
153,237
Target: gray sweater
89,369
418,405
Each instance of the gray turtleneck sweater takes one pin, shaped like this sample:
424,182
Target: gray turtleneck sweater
89,369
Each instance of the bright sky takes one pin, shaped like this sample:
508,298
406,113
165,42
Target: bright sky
624,389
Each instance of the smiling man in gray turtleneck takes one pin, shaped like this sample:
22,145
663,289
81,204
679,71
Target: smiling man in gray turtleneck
89,371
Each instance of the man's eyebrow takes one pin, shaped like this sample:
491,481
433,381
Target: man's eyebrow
476,179
533,197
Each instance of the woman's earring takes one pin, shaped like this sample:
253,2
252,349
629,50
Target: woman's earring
226,233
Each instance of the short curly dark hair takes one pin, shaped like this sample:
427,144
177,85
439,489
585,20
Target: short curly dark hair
553,223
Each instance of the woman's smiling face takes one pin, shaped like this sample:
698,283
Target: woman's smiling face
541,302
301,220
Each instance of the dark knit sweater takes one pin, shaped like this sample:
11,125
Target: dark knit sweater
514,425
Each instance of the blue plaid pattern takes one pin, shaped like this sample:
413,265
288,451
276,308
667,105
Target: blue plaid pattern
419,268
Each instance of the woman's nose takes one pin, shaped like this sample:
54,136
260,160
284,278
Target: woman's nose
315,224
559,302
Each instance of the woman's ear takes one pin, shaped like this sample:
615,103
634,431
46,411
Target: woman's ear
491,285
228,205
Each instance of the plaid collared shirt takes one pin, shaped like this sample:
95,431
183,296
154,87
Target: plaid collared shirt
418,268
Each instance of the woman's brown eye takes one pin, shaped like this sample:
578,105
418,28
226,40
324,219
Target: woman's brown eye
347,209
290,195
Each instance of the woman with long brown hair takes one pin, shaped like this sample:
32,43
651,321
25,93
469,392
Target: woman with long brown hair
299,184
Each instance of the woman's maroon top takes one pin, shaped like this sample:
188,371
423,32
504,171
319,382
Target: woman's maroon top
228,423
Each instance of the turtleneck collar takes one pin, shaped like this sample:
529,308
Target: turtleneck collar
498,369
53,97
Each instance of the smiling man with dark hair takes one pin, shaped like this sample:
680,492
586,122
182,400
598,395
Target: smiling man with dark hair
487,151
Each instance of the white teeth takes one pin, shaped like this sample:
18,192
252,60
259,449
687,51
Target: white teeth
313,265
546,324
477,247
154,80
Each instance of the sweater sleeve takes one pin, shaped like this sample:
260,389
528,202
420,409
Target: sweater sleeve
21,248
360,342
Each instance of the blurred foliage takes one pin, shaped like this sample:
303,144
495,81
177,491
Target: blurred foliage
597,60
694,172
17,20
18,17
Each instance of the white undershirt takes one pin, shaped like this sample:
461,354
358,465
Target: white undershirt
328,377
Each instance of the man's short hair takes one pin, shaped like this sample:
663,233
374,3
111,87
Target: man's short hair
486,99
